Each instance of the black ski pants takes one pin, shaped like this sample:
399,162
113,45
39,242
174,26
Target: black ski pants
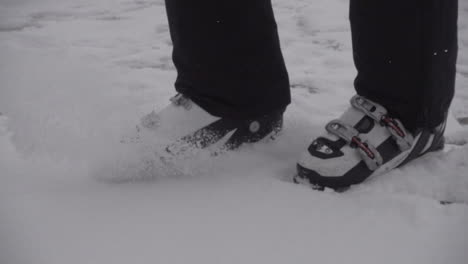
229,61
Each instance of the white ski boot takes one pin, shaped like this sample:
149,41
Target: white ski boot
363,142
185,126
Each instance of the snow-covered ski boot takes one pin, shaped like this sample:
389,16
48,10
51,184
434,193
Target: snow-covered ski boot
186,127
365,141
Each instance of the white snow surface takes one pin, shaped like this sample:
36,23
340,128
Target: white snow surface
76,77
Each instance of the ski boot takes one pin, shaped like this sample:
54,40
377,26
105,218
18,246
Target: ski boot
364,142
185,126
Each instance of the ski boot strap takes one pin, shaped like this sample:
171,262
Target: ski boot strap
367,151
377,112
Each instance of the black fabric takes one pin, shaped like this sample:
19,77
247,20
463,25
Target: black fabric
229,61
405,52
228,56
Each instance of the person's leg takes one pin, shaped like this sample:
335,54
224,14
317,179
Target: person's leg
232,82
405,52
228,56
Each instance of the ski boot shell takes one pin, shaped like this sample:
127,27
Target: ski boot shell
364,142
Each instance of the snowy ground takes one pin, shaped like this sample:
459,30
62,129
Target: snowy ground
76,76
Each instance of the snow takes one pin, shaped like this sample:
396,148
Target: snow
76,77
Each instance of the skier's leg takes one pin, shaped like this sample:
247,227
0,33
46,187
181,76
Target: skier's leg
232,81
405,52
228,56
